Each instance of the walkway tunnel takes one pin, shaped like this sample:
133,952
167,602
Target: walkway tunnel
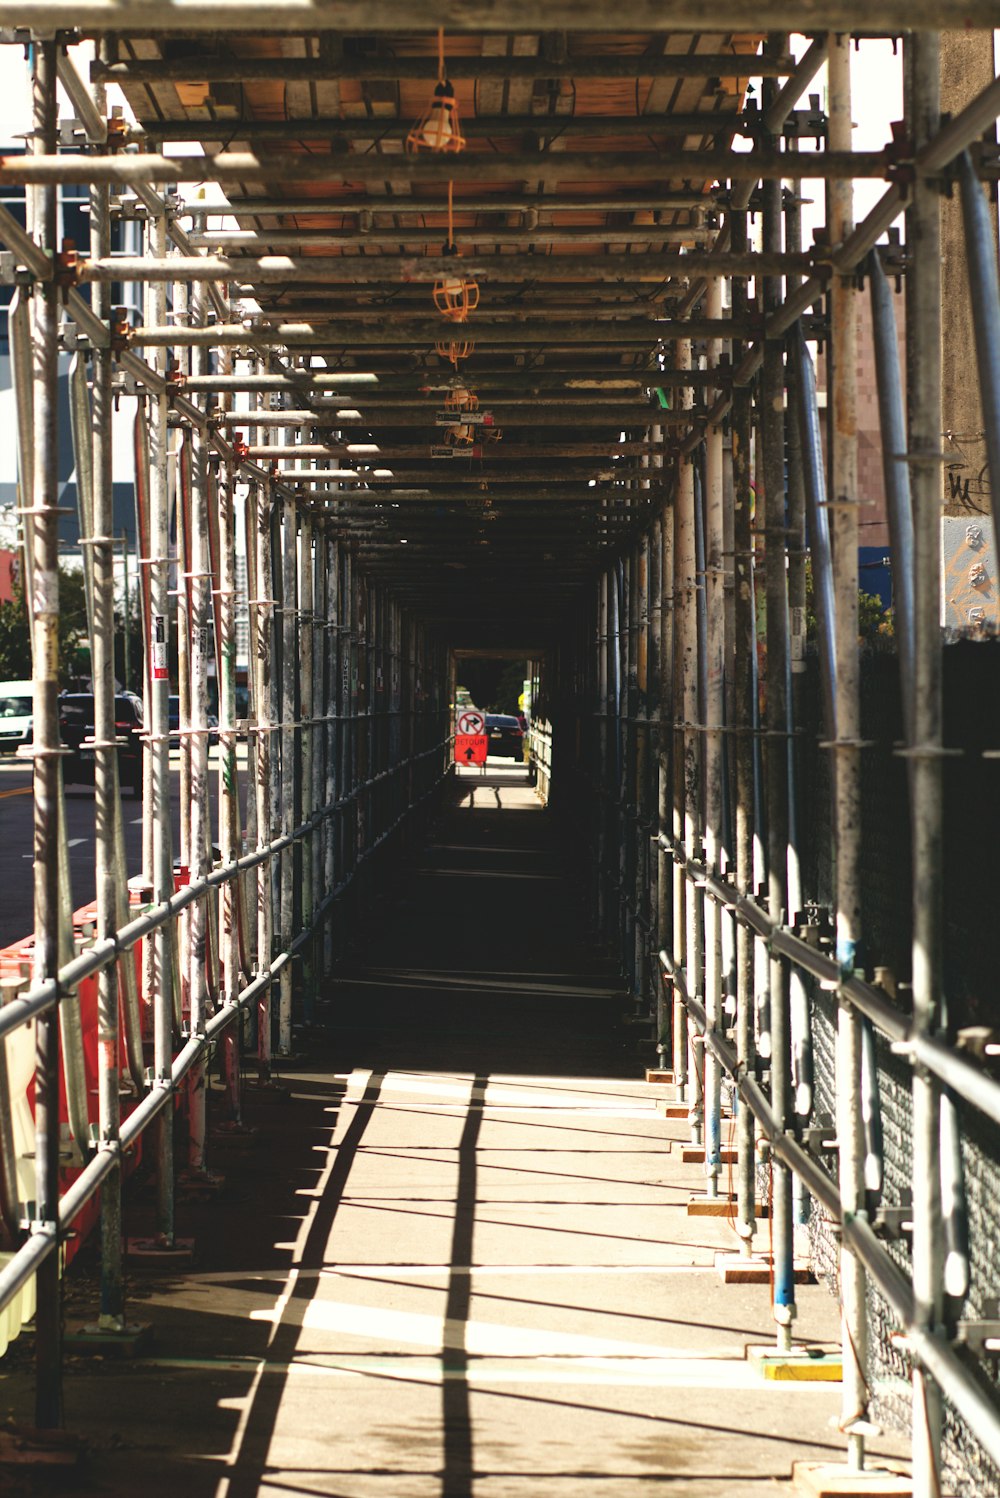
538,1027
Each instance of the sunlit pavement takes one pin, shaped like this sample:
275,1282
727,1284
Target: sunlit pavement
457,1259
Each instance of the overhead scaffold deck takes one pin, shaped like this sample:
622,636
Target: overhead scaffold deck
465,335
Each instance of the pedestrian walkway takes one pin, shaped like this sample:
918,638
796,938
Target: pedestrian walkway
457,1259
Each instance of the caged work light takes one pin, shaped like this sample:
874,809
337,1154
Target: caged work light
454,350
460,434
438,128
455,296
461,398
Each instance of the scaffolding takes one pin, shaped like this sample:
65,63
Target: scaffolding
662,500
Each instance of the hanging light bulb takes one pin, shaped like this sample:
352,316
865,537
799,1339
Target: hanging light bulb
461,434
438,128
455,296
461,398
454,349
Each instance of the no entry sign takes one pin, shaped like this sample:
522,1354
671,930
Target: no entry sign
470,748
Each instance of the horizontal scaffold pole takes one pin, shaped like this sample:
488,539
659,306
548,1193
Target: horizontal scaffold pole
280,269
154,17
233,168
389,68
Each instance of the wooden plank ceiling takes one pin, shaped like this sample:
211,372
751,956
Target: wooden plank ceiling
493,544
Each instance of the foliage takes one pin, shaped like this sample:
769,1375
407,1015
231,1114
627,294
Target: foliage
15,641
15,632
509,687
875,621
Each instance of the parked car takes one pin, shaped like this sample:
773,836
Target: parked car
16,708
76,727
504,735
174,724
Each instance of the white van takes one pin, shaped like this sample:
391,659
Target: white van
15,715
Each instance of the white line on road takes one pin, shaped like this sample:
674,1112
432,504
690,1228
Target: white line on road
75,842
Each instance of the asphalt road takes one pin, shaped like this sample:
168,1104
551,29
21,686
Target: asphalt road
16,812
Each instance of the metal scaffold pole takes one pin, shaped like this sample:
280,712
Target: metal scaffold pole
43,503
330,781
844,503
923,394
686,603
304,666
109,855
263,616
157,563
229,838
772,425
289,758
713,711
199,584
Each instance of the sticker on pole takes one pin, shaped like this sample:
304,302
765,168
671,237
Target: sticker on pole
471,748
159,652
471,721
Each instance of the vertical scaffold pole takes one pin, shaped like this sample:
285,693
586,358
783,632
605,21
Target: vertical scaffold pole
289,745
713,711
229,838
331,784
847,774
773,444
683,567
200,592
744,646
158,809
639,710
923,390
321,645
605,583
106,787
686,595
798,991
263,768
43,503
666,870
655,933
304,667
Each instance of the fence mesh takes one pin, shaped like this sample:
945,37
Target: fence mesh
972,897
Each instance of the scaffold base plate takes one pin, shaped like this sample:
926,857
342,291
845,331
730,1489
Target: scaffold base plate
670,1108
694,1154
134,1338
659,1076
801,1364
754,1269
718,1206
835,1480
150,1253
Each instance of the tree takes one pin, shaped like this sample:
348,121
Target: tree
15,639
15,632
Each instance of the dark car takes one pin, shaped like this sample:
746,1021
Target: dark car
174,724
76,729
504,736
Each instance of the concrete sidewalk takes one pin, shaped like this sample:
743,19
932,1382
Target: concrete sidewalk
457,1260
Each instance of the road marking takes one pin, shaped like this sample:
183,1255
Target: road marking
75,842
136,822
21,790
